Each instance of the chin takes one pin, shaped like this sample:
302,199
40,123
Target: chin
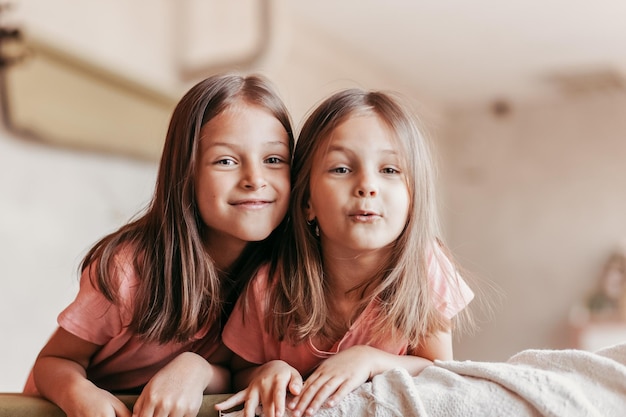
256,237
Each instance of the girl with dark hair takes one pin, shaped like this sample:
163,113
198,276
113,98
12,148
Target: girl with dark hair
154,295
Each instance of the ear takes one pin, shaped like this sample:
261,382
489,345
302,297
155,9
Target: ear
309,212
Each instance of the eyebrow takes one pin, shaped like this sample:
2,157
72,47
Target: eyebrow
339,148
238,145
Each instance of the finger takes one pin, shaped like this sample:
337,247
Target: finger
174,407
232,401
320,398
343,390
136,408
278,402
249,408
295,385
273,398
145,406
121,410
300,403
160,411
295,389
316,394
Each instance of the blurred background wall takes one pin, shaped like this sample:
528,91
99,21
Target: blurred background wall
528,126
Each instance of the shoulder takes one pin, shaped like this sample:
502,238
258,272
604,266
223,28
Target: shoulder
451,292
437,260
123,277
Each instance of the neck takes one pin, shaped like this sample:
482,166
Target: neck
345,272
347,279
224,252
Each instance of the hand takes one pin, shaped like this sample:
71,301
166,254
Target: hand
336,377
65,358
268,386
176,390
91,401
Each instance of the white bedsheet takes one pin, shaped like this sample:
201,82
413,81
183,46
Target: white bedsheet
551,383
563,383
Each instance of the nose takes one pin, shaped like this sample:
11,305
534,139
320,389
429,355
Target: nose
366,186
253,178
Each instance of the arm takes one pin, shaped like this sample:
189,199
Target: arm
437,346
262,384
65,358
342,373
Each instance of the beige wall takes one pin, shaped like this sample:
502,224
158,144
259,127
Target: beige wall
535,202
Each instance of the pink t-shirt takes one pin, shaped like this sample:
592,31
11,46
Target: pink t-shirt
123,362
250,340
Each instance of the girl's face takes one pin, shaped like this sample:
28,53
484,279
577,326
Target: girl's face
359,193
242,177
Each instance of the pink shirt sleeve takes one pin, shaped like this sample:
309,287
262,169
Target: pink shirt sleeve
94,318
452,293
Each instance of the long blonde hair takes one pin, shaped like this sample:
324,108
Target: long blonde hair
297,306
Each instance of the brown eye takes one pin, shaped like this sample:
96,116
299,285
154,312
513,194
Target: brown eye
225,162
390,170
274,160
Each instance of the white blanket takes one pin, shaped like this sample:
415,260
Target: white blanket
556,383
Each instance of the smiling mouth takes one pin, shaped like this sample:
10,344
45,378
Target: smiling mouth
251,203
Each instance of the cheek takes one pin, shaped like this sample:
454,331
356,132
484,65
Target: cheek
282,186
403,204
207,193
204,191
286,184
211,183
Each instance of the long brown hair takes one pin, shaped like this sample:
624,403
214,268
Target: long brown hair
179,290
297,301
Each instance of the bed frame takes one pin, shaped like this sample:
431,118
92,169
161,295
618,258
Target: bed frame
20,405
